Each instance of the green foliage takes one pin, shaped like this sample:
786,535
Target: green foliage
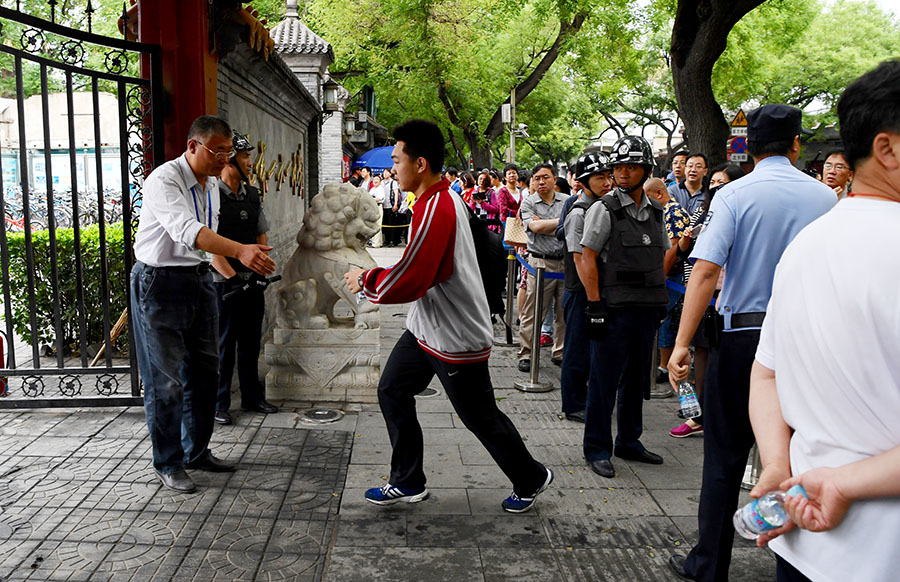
94,293
71,14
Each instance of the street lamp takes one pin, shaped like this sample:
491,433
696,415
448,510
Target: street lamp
330,91
349,123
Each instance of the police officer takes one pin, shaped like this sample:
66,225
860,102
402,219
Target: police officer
623,247
592,171
748,226
241,218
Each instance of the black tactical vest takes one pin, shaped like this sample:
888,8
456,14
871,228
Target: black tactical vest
572,282
239,220
633,274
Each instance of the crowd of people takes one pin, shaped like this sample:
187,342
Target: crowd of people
787,324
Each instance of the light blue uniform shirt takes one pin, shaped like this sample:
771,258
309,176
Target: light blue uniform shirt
750,223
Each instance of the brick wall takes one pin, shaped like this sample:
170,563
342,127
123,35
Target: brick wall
264,99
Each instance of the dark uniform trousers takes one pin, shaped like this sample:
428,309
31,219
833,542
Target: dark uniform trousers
240,325
390,234
577,353
727,440
620,365
408,371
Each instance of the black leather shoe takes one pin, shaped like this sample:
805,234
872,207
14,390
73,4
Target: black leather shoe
177,481
577,416
676,564
556,361
261,406
211,464
524,365
603,467
222,417
644,456
662,376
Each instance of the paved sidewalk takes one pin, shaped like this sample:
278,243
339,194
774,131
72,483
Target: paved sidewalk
79,500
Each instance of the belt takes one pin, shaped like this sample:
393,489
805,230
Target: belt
199,268
545,257
750,319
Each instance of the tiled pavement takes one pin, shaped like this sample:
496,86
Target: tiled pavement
79,500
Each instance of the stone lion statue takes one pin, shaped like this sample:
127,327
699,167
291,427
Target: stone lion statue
332,241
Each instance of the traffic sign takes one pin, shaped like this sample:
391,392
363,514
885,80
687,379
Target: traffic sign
740,120
738,131
737,157
739,145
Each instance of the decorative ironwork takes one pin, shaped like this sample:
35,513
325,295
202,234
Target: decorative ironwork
33,386
89,10
107,385
116,62
71,52
69,385
32,40
76,60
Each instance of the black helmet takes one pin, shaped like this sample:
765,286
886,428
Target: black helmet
591,163
240,143
631,149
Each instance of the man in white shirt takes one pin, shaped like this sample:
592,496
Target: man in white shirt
173,302
829,419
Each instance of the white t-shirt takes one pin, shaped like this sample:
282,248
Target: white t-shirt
832,335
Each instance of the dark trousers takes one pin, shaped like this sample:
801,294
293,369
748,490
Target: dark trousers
390,233
620,366
784,572
577,353
408,371
240,327
176,332
727,440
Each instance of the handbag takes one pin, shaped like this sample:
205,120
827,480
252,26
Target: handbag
514,233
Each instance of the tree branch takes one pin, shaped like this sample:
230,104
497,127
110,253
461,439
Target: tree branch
566,30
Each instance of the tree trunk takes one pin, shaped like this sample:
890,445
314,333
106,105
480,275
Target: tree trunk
480,153
698,39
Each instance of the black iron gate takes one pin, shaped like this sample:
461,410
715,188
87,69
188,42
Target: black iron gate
78,141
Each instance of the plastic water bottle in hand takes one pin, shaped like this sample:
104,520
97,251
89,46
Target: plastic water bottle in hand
688,398
764,514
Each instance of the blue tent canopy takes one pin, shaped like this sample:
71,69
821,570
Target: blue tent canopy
378,159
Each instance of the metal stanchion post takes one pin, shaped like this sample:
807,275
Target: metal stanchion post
534,385
510,299
754,468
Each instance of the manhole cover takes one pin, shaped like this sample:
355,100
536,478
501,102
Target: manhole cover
428,393
321,416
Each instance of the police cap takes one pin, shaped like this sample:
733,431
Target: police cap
774,122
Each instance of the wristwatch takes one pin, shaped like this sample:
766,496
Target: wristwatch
360,280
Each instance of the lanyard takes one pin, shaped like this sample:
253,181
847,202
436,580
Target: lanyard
208,207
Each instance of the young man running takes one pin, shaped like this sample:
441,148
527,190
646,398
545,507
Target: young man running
449,331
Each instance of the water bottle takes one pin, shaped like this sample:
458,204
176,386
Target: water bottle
764,514
688,398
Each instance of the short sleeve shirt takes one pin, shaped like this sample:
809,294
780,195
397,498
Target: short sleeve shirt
532,205
677,220
574,227
749,224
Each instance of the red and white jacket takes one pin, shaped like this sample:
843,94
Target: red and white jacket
438,272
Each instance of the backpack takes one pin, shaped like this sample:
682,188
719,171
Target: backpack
492,259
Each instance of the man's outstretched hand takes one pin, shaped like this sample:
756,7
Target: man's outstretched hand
256,258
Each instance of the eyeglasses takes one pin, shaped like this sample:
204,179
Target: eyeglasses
838,167
220,155
543,178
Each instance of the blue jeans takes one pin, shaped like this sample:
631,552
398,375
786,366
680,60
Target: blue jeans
620,366
240,326
576,357
666,332
176,328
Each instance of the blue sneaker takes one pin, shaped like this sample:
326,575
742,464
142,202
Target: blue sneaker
516,504
389,494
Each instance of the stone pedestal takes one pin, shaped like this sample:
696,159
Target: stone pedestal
324,365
